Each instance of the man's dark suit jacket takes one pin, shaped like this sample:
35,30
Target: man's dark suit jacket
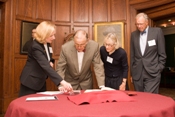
38,68
154,57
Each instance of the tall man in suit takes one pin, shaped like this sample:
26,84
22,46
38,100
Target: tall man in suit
74,64
148,55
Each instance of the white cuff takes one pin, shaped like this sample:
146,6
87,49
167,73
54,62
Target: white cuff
101,86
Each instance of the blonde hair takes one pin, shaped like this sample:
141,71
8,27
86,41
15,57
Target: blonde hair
114,38
44,30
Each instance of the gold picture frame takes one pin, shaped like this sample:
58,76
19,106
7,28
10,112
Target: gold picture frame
102,29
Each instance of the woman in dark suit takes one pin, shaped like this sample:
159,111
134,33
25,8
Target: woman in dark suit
115,63
39,62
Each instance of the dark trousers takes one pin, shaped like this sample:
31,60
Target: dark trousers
26,91
114,82
147,83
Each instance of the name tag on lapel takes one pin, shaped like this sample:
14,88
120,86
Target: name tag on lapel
152,42
109,59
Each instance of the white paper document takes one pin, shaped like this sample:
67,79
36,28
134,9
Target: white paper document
51,92
106,88
102,89
41,98
92,90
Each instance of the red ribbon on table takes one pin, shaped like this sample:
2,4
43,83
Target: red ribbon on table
100,97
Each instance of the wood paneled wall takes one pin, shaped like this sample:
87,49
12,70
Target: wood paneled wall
2,8
67,15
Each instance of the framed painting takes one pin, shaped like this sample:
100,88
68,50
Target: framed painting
26,35
102,29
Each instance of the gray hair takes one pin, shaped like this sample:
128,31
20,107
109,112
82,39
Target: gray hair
145,16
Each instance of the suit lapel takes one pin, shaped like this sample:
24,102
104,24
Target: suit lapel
138,42
42,45
148,39
75,57
85,57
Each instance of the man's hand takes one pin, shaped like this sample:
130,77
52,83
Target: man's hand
51,64
131,80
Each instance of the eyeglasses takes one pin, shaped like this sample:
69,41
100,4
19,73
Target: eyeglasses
109,45
139,24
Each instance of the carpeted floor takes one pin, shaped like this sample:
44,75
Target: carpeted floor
170,92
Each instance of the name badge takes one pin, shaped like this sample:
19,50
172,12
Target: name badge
152,42
109,59
50,49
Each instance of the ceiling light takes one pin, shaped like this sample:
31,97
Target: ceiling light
169,20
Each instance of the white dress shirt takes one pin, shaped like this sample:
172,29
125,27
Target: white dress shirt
80,59
46,48
143,40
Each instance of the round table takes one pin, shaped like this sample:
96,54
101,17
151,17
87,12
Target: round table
145,105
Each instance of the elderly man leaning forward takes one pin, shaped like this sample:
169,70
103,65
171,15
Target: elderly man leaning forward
74,64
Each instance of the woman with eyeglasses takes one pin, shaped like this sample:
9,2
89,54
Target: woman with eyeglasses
115,63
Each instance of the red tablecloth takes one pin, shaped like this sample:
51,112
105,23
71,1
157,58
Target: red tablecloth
145,105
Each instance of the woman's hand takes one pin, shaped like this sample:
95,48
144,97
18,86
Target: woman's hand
123,85
66,87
